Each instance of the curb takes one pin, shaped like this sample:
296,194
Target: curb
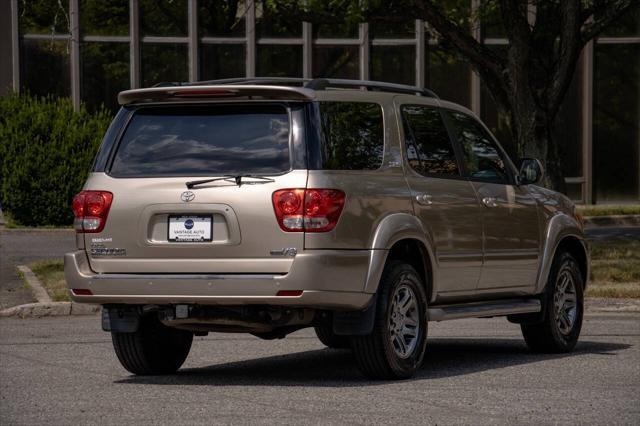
45,307
54,309
614,220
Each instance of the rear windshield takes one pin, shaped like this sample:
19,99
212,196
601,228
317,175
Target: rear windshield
204,141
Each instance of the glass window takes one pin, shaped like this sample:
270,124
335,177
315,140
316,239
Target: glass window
482,157
41,60
204,141
429,149
279,61
352,135
163,18
395,64
616,122
627,25
270,22
491,20
221,18
164,63
567,132
448,76
222,61
335,30
392,29
336,61
44,17
105,17
105,73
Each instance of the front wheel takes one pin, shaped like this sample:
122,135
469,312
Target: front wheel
395,348
564,305
153,349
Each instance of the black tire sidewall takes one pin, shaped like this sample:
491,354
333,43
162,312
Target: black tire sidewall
402,367
564,262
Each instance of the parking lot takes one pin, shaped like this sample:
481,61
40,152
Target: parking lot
63,371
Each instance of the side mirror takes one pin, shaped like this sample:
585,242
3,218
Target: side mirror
531,171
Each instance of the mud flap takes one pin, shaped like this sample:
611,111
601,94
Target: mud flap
120,319
355,323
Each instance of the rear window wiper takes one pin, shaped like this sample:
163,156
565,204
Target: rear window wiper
234,178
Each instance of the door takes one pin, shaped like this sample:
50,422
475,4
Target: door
159,224
444,200
509,212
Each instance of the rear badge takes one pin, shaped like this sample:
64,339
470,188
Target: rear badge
290,252
187,196
96,252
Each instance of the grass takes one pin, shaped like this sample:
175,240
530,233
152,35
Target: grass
615,272
610,210
51,275
615,269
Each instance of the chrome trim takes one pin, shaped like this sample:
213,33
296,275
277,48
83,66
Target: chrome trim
484,309
145,277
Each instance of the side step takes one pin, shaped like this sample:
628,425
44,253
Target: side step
492,308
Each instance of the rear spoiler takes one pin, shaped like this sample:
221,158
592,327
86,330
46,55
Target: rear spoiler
168,93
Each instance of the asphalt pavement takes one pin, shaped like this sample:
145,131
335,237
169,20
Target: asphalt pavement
63,371
20,247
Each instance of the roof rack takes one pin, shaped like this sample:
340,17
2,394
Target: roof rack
316,84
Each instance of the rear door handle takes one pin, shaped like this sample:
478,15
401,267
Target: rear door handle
424,199
490,201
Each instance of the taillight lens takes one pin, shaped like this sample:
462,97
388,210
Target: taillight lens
308,210
91,209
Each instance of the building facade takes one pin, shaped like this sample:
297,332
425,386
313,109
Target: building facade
90,50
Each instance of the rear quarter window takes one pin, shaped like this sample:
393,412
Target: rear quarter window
352,135
204,141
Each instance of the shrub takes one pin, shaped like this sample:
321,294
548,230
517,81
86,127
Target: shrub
46,151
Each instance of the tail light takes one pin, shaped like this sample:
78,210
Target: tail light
308,210
90,209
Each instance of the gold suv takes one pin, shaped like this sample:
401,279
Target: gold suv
360,208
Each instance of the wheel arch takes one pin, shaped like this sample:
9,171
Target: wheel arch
401,236
563,233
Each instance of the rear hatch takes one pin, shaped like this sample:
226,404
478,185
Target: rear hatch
157,224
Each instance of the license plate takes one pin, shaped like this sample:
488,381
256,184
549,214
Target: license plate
190,229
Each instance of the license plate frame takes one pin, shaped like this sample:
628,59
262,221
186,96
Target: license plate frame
200,223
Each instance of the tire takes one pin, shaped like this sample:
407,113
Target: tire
380,354
154,349
331,340
563,305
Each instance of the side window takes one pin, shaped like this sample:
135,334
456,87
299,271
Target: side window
429,149
352,135
482,157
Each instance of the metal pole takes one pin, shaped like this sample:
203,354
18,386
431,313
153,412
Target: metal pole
251,40
307,52
75,53
420,54
134,44
363,31
194,69
587,122
475,78
15,46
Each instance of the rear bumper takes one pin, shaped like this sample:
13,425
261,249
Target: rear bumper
329,279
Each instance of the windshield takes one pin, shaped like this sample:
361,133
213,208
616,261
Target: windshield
204,141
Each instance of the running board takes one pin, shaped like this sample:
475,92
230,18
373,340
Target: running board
493,308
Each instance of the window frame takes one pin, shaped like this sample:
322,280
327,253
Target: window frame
451,126
456,151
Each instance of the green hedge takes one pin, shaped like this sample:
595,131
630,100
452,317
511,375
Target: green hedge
46,151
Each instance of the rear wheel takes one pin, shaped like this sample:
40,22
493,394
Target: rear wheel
563,304
330,339
396,347
153,349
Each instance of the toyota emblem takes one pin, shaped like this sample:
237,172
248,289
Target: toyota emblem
187,196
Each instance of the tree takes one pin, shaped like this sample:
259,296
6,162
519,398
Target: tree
530,82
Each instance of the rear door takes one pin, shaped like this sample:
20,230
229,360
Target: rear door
443,199
158,225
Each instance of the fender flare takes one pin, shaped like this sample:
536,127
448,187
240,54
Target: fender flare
560,227
391,229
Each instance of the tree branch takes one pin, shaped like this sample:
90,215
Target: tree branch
486,62
608,11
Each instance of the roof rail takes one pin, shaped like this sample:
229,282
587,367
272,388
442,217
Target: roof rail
316,84
324,83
